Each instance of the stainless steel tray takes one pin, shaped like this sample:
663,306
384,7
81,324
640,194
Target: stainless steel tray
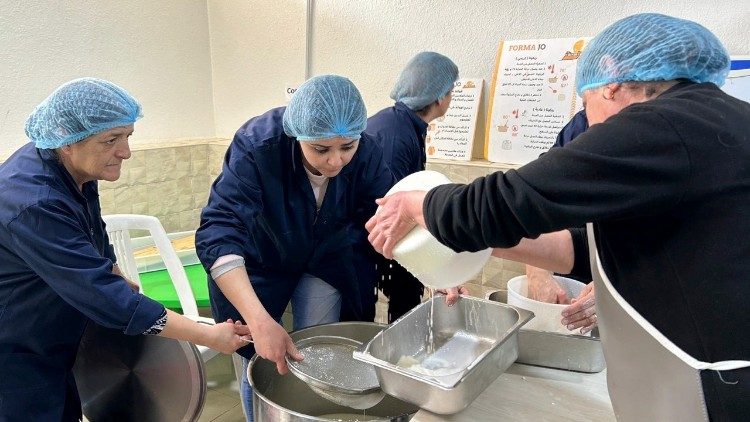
488,325
553,350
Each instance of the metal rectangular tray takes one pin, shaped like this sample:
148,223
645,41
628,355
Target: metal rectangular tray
470,321
554,350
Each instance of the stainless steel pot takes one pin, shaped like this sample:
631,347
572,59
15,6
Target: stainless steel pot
287,398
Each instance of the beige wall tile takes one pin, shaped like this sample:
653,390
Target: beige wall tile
137,159
140,208
135,175
381,312
167,170
199,167
492,273
185,185
153,171
157,203
458,173
201,184
188,220
474,289
160,164
123,197
216,157
140,192
107,199
184,202
439,167
476,172
183,154
199,200
171,222
182,170
173,187
199,153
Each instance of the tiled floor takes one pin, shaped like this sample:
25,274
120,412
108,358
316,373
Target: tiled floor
223,398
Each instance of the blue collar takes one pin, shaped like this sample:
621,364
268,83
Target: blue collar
49,157
420,126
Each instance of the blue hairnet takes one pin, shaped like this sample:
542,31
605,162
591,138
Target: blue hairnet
79,109
652,47
426,78
326,106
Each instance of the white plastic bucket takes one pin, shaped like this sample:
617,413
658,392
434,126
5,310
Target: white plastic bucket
547,316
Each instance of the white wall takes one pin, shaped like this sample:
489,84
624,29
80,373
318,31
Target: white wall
256,48
157,50
202,68
369,41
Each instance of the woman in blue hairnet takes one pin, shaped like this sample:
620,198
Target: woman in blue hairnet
58,269
422,94
663,175
297,182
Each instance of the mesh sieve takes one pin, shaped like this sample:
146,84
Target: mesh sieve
330,370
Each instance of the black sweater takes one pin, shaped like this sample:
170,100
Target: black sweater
667,185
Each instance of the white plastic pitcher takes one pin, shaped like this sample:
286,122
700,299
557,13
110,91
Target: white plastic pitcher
432,263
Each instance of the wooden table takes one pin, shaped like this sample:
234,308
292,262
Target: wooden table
530,393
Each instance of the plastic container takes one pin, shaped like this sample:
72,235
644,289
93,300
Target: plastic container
431,262
547,316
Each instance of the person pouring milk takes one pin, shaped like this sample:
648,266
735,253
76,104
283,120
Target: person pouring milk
662,173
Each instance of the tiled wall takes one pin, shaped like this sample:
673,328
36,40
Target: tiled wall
170,181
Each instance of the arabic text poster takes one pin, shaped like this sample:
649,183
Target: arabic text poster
531,98
450,137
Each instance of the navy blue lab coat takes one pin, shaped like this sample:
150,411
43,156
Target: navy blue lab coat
576,126
55,276
262,207
401,134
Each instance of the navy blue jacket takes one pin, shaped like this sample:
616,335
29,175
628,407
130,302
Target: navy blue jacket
55,276
401,134
576,126
262,207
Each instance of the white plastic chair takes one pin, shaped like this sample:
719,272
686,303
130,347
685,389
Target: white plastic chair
118,229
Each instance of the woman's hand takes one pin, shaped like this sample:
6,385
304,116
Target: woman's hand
582,311
226,337
273,343
543,287
397,215
452,294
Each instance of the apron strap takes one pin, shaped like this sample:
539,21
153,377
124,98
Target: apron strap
596,267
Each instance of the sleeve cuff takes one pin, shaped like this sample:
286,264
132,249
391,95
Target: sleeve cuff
146,313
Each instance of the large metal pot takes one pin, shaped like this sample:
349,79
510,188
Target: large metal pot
138,378
287,398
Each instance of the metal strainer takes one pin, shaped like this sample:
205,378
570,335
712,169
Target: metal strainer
330,371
